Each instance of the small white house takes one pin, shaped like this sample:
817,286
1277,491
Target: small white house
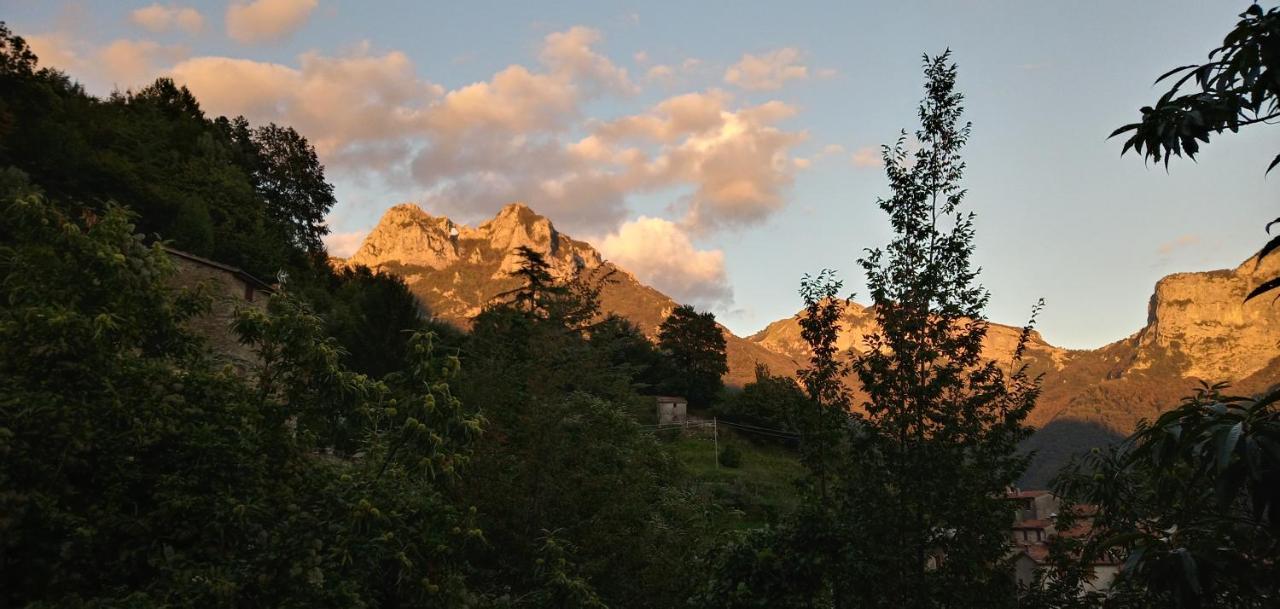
672,409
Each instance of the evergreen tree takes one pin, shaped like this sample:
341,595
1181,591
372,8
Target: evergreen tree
538,289
695,349
936,441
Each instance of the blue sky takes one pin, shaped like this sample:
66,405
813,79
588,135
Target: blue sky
710,146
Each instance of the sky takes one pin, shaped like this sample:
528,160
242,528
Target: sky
722,150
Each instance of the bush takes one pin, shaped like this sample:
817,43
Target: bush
730,456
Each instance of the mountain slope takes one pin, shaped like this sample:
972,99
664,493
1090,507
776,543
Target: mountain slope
456,269
1198,329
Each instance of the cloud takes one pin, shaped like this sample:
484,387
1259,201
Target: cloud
867,156
133,62
522,134
343,245
1182,242
161,18
767,72
570,54
265,20
56,49
342,104
660,254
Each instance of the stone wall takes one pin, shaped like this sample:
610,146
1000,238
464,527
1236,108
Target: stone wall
230,290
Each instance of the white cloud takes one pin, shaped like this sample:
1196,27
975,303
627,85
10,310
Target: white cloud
660,254
264,20
128,63
343,245
522,134
867,156
341,104
162,18
58,50
570,53
767,72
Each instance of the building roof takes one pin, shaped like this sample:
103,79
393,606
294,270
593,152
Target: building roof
1034,523
242,275
1020,494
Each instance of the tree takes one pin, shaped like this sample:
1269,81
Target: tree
770,400
1238,87
695,349
290,179
137,471
935,445
1191,503
538,290
825,417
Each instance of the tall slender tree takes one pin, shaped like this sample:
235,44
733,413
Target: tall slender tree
936,441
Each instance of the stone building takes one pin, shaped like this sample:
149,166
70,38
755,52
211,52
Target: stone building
230,289
672,410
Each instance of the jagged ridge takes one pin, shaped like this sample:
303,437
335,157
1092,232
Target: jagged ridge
456,269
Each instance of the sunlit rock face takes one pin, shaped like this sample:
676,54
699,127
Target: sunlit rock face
857,321
455,270
409,236
1199,329
1203,318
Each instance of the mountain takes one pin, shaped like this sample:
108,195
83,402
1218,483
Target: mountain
456,269
1198,329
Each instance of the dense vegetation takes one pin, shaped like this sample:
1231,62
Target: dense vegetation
368,458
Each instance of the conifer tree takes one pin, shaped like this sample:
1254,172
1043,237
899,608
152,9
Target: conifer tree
936,441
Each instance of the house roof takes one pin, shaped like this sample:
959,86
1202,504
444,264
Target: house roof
239,274
1026,494
1034,523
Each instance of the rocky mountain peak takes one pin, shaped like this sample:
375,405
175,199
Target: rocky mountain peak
410,236
1203,318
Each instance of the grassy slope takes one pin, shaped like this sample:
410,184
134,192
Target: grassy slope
750,495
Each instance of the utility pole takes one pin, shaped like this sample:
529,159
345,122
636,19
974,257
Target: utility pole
715,436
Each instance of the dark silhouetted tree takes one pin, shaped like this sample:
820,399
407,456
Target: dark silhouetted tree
290,179
935,446
695,349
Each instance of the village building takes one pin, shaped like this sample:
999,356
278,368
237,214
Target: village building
1034,528
672,410
230,289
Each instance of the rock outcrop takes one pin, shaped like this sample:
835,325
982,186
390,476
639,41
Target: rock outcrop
1199,328
457,269
1203,317
857,321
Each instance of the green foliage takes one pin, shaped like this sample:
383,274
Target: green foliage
137,472
775,402
694,346
824,418
1239,86
730,456
372,314
564,453
936,446
289,178
1189,502
770,567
